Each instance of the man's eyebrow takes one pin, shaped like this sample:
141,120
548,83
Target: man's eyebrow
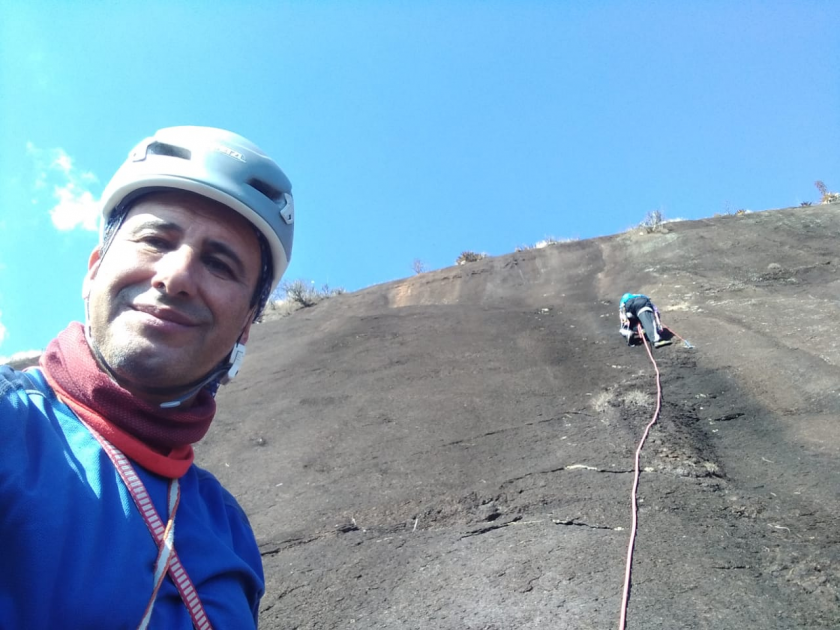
157,224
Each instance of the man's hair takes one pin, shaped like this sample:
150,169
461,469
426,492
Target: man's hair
261,292
263,289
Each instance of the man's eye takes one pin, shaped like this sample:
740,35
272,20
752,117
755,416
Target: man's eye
156,242
219,266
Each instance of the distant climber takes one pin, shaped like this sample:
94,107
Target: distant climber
634,309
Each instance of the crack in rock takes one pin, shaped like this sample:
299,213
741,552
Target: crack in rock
280,596
729,416
515,428
572,467
271,548
578,523
490,528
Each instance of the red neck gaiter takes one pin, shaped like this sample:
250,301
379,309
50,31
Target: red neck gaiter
157,439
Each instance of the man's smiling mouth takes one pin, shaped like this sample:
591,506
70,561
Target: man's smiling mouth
169,315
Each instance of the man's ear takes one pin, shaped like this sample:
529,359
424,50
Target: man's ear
93,266
243,338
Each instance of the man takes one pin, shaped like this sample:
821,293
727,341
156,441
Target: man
107,522
634,309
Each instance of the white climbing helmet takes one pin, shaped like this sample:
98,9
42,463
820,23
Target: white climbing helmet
217,164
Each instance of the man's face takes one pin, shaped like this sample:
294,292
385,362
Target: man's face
172,294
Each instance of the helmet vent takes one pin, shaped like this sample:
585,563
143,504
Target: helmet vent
266,189
161,148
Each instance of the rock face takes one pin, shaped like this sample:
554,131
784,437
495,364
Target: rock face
455,450
28,359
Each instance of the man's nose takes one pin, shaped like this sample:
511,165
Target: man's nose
175,271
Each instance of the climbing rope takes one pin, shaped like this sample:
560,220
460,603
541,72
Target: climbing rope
685,341
622,624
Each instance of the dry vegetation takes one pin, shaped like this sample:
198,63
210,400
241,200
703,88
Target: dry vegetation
825,195
468,257
653,222
546,242
602,401
296,295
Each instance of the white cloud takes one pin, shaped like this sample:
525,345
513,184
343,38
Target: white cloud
76,208
62,162
17,356
73,203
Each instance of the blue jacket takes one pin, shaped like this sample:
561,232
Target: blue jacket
629,296
78,554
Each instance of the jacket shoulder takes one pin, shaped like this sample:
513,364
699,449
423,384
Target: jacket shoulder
12,380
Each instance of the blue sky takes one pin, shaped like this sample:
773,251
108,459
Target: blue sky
412,130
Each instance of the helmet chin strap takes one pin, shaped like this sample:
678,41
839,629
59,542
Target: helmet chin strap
222,374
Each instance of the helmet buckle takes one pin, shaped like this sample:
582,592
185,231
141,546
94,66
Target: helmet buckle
139,152
287,212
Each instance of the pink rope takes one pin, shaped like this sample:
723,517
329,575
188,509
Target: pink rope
676,334
622,623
